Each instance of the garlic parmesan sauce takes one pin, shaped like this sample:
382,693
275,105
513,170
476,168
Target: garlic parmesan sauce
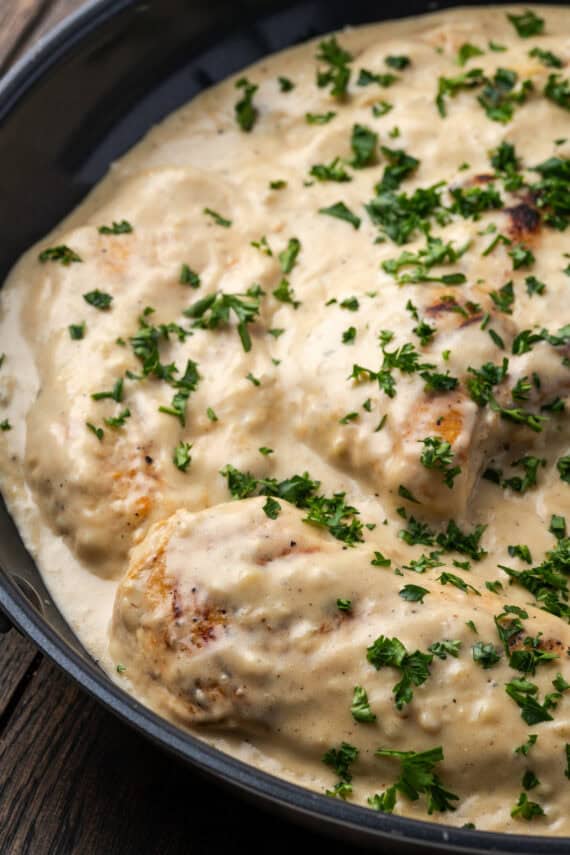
284,418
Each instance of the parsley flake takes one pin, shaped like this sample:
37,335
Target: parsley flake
121,228
181,457
62,254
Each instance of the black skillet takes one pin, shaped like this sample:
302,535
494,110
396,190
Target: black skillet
75,103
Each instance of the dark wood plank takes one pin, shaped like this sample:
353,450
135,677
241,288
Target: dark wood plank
23,22
18,21
17,661
57,11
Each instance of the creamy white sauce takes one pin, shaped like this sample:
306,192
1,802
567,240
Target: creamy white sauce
83,504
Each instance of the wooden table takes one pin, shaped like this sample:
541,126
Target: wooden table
73,779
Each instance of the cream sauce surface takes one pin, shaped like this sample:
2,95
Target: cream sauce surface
200,606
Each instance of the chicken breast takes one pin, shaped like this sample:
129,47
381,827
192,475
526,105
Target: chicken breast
261,637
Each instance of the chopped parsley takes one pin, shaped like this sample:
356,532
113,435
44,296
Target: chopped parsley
366,78
413,667
558,91
340,760
400,166
499,238
184,388
534,286
77,331
449,87
557,526
319,118
381,108
413,593
466,52
563,466
188,277
380,561
285,85
288,258
401,216
115,394
546,57
548,580
214,311
62,254
398,62
527,24
526,809
526,746
520,551
118,421
552,192
285,294
217,218
417,532
447,578
181,457
271,508
531,465
443,649
435,252
98,299
525,695
506,163
360,707
485,654
245,111
453,539
437,454
334,171
332,513
504,298
499,96
99,432
337,72
471,202
121,228
417,776
521,257
341,212
424,562
364,143
407,494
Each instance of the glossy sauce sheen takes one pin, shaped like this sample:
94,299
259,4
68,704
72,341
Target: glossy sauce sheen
220,617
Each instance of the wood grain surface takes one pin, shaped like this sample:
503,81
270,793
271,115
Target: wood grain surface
22,22
73,779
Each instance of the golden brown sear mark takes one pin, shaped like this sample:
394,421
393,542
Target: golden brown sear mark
482,178
204,619
550,645
524,221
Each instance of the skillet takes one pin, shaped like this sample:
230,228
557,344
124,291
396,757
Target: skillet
77,101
